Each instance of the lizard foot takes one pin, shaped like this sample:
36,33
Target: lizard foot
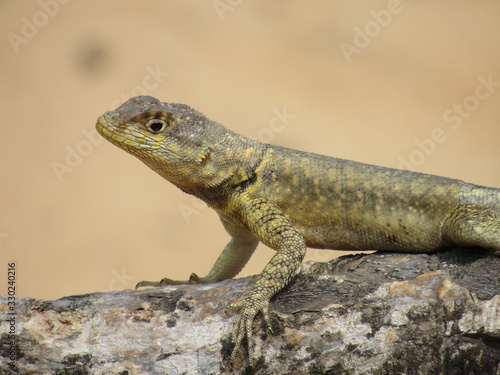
193,279
242,329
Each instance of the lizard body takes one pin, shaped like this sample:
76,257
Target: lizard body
290,199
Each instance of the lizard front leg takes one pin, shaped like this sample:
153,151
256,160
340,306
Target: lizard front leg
270,225
230,262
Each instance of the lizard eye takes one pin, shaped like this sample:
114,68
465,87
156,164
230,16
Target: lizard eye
157,125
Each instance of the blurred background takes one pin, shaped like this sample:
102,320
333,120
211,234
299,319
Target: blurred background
408,84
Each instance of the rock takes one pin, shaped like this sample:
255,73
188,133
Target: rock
382,313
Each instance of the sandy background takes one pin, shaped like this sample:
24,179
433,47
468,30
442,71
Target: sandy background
79,215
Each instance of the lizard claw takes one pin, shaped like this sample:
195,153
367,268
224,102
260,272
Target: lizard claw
162,282
147,283
193,279
242,329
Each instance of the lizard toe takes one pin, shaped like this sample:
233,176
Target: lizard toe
147,283
249,308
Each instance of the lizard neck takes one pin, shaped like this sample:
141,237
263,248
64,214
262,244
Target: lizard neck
221,161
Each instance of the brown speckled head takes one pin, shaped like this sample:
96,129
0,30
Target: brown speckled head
175,140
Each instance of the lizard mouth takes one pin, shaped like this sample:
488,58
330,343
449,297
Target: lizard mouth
121,138
104,128
126,137
101,127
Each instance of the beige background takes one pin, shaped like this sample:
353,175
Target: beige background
105,221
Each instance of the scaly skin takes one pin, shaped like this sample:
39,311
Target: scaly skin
291,199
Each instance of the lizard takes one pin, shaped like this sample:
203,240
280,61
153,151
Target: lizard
290,200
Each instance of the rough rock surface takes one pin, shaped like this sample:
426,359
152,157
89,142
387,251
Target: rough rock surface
380,313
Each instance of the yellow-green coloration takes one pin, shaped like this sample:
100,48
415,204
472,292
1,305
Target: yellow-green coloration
290,199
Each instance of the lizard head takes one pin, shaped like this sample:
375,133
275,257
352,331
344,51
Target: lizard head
173,139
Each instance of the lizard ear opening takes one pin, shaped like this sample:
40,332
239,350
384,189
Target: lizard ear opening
205,157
